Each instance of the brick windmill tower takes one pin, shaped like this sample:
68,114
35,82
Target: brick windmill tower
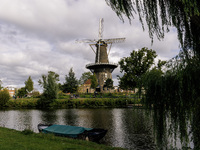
102,67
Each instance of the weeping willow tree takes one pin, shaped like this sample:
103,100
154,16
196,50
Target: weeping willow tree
175,93
174,96
161,14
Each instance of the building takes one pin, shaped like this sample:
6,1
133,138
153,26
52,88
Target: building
102,68
11,91
86,87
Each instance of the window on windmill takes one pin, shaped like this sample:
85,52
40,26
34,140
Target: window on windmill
106,75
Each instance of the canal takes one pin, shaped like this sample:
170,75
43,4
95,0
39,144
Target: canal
127,128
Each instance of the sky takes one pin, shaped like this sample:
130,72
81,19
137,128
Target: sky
37,36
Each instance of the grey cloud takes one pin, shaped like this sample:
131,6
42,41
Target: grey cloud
39,35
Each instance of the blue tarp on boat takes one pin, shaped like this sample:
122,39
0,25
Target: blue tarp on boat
65,130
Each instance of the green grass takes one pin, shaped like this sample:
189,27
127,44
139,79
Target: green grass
15,140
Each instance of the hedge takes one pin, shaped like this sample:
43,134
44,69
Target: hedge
74,103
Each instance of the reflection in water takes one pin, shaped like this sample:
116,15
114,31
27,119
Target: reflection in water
127,128
20,119
48,116
119,127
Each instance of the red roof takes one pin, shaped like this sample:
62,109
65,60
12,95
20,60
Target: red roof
88,81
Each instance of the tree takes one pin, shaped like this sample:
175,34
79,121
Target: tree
4,97
35,94
182,14
60,86
94,82
134,67
29,84
0,84
50,88
21,92
85,76
71,83
161,64
124,82
109,83
175,92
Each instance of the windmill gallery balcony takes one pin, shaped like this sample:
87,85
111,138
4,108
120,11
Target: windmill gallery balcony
93,66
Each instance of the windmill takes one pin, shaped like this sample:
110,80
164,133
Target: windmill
102,67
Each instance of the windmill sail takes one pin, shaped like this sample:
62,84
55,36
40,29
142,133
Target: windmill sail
102,67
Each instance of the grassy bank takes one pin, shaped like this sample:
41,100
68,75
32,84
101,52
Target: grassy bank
74,103
12,139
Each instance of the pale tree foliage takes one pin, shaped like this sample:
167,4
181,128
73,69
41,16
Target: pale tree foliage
71,83
29,84
49,83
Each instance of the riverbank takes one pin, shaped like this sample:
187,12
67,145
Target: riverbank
12,139
75,103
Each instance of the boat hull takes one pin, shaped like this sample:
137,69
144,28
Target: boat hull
94,135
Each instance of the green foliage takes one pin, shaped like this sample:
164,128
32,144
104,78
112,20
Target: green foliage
124,82
60,86
22,103
121,8
93,102
182,14
4,97
21,92
134,67
71,83
84,77
36,94
109,83
161,64
94,82
50,89
29,84
175,93
75,103
0,84
60,93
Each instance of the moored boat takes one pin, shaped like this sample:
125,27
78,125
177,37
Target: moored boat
91,134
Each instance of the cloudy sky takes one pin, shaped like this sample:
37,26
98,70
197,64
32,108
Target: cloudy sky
37,36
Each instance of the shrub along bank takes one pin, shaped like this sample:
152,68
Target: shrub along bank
93,102
22,103
74,103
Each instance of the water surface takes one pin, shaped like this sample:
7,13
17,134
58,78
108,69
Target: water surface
127,128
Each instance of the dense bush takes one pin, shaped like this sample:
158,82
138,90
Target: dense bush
93,102
74,103
4,97
36,94
22,103
108,95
